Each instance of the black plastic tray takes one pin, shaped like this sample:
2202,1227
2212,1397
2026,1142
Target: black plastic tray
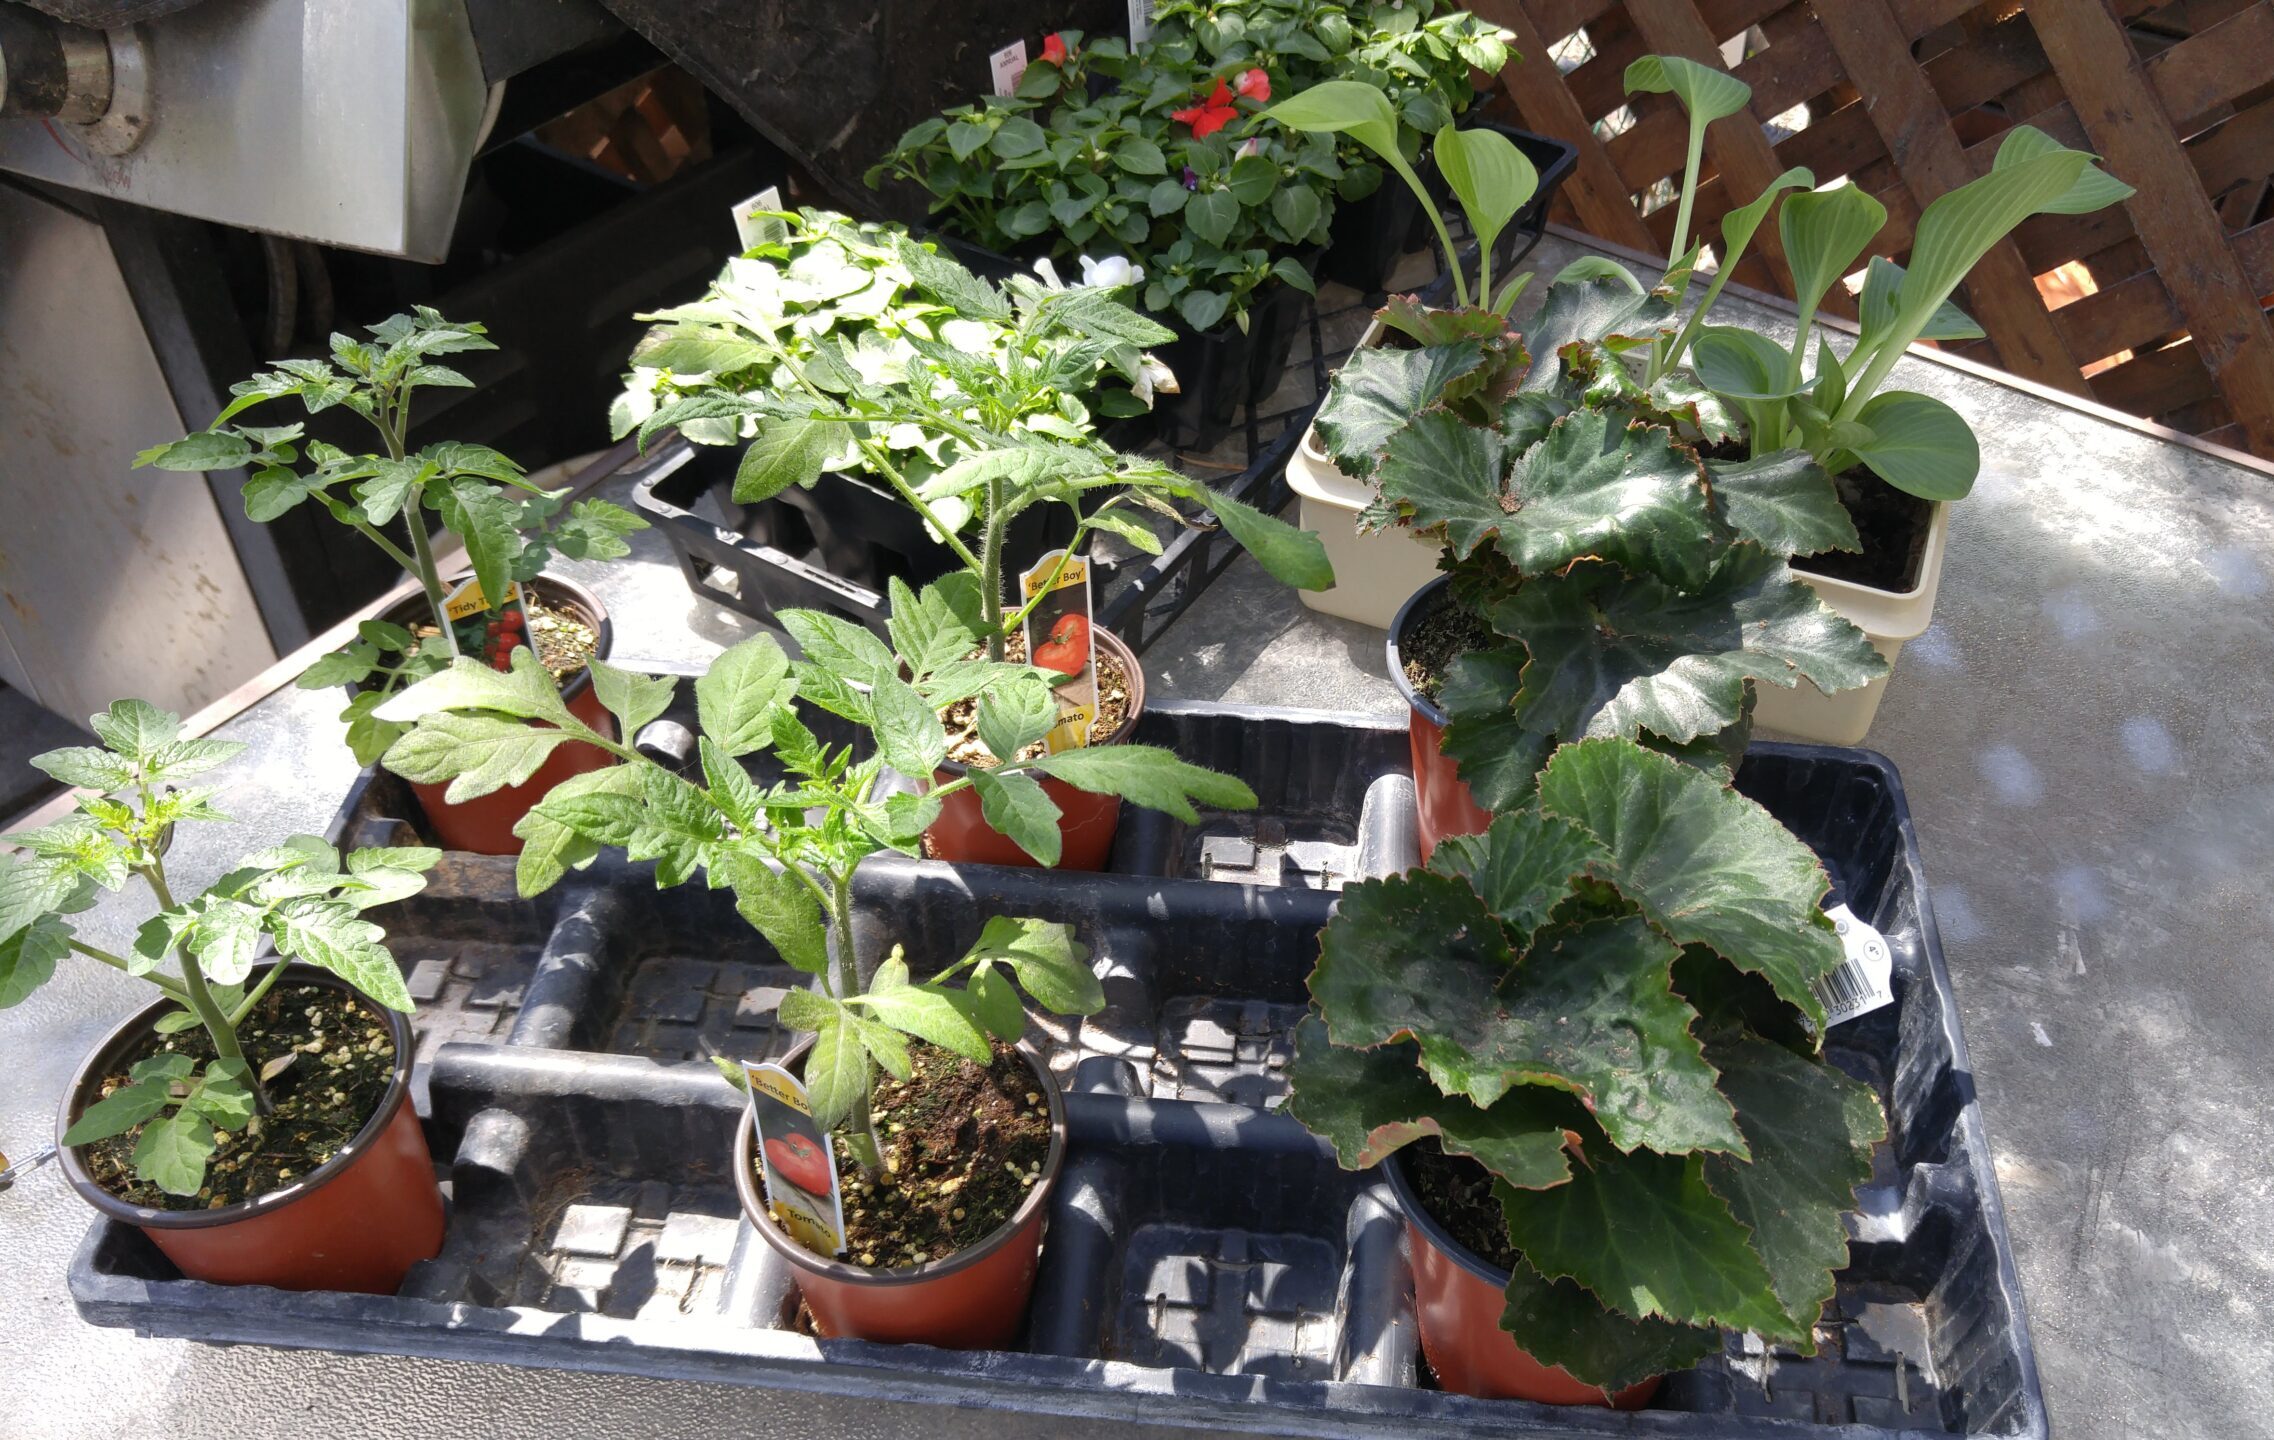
1208,1269
1370,236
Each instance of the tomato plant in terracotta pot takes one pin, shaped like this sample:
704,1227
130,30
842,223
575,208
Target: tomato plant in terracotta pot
510,528
1018,449
255,1121
940,1249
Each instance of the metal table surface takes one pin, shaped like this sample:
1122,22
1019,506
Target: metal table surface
2083,736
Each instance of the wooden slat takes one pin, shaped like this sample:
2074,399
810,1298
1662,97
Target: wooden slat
2001,293
2200,74
1741,153
2157,383
1991,63
2241,149
1600,85
2172,214
1558,18
1598,195
2124,316
1917,17
1784,75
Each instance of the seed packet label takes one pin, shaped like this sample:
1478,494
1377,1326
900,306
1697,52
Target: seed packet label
752,229
1865,980
1009,67
797,1161
468,600
1140,21
1058,638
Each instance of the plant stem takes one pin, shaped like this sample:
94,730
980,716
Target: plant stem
255,995
430,580
167,983
845,980
991,570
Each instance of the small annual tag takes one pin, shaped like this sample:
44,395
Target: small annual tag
797,1161
1140,21
1009,67
1058,637
468,599
750,228
1865,980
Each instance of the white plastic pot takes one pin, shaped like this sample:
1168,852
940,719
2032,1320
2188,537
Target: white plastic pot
1373,573
1889,618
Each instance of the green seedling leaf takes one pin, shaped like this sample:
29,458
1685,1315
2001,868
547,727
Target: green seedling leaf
1743,364
88,766
1490,176
331,936
633,699
135,729
478,754
1015,804
790,450
526,692
908,731
778,907
550,848
28,958
1048,963
1149,776
1918,445
118,1112
1823,233
736,698
172,1152
1290,556
836,1073
928,1012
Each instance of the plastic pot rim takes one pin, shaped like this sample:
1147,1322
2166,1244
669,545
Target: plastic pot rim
1409,1201
132,1030
746,1186
1421,602
604,629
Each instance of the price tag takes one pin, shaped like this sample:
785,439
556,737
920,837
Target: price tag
1140,21
1865,980
1008,65
751,230
797,1162
1058,637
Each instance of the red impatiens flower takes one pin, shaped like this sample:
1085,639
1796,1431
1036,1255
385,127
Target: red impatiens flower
1054,51
1211,117
1255,85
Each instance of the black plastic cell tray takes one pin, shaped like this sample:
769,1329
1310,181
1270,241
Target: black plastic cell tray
1208,1269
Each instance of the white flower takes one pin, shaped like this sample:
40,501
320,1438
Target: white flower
1049,273
1112,271
1153,378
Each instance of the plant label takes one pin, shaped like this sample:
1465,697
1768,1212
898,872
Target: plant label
752,229
1140,21
1058,638
1865,980
1009,67
797,1161
468,600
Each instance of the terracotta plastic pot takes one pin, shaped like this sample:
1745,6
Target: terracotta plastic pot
975,1299
485,825
1086,822
356,1222
1459,1299
1442,803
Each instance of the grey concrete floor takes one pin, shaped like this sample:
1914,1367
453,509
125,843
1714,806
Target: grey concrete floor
2083,737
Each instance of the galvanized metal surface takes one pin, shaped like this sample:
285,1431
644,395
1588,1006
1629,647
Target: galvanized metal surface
111,577
351,124
2082,734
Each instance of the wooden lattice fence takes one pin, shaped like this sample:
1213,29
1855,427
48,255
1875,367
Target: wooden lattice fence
2155,307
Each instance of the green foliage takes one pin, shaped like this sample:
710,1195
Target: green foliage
788,846
1663,1169
295,897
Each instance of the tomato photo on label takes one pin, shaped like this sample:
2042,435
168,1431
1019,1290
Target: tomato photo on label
799,1161
1067,649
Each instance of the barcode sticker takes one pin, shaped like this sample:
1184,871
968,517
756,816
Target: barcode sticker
1009,66
1865,980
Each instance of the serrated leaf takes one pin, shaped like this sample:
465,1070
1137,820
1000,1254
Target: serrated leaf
479,514
1368,1103
927,1012
526,691
88,766
28,958
222,1096
1016,805
1149,776
1380,390
836,1074
678,826
117,1113
633,699
477,754
1785,503
787,450
331,935
1521,867
838,646
908,731
345,666
802,1009
1811,1130
226,939
1561,1323
731,787
1049,964
996,1005
32,888
735,698
1643,1232
1613,654
778,907
1014,713
550,849
172,1152
1708,866
135,728
926,631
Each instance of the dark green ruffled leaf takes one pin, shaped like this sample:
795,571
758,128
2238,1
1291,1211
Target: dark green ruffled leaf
1440,472
1613,654
1522,866
1708,866
1785,503
1368,1103
1596,487
1561,1323
1379,391
1587,311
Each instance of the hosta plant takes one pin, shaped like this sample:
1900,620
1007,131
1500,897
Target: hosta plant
1604,1000
1004,412
788,846
296,897
510,528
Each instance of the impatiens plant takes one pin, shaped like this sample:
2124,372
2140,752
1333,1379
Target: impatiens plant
509,527
788,847
1003,410
295,897
1604,1001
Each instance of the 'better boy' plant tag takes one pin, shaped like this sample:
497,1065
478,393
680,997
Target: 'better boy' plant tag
797,1161
1058,638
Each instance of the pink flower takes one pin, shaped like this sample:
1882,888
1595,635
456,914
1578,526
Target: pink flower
1255,85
